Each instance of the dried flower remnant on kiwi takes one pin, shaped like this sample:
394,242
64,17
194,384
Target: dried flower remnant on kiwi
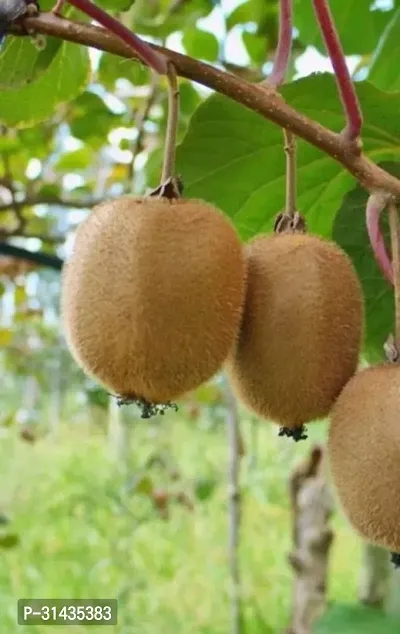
148,410
299,433
395,560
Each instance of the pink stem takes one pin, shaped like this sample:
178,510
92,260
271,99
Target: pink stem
375,205
284,48
146,54
343,78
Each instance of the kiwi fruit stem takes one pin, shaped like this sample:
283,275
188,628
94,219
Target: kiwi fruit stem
291,182
290,221
172,124
395,247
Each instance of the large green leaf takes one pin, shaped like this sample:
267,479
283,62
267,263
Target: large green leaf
113,67
384,71
256,46
64,79
356,619
234,158
200,44
21,62
91,119
359,28
351,233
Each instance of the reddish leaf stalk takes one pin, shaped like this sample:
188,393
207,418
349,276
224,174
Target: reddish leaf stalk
284,48
150,57
376,204
343,78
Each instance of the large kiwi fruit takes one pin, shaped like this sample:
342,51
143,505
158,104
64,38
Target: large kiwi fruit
152,295
302,327
364,453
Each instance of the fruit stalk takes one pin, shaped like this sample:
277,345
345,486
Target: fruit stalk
277,78
375,205
284,47
291,180
150,57
172,124
395,246
345,85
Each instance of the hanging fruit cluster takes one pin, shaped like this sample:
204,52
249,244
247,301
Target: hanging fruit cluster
160,294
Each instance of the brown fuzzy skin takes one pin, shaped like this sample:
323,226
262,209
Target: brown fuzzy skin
302,328
153,294
364,453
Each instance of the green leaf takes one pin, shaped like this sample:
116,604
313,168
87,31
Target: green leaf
9,540
200,44
159,19
384,71
49,190
76,160
359,28
98,397
20,295
6,337
154,166
256,47
9,145
21,62
242,14
262,12
143,485
351,234
189,98
204,488
356,619
64,80
91,119
112,67
115,5
234,158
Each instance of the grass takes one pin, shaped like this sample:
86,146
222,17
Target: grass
83,535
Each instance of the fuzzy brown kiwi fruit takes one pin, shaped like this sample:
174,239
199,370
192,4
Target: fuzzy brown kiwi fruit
302,327
152,295
364,453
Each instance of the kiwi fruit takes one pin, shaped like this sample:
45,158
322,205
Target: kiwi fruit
301,331
364,453
152,295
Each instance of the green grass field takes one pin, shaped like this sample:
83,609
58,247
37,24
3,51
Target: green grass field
84,535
